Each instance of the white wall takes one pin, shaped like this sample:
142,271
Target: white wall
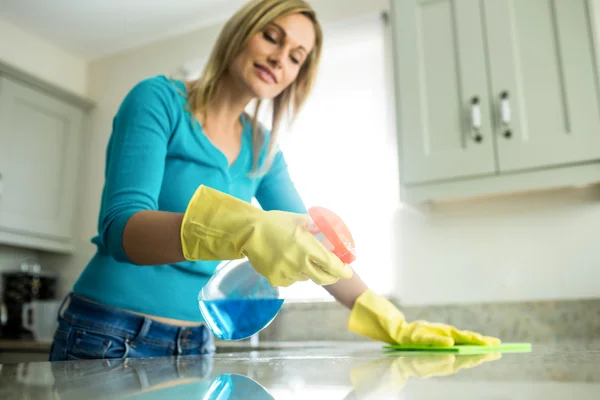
35,56
596,7
526,247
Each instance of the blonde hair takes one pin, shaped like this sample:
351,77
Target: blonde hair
253,17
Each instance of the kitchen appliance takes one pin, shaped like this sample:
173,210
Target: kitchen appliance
39,317
22,286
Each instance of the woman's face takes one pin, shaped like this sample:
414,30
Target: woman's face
273,57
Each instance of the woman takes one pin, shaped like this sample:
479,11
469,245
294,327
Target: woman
183,163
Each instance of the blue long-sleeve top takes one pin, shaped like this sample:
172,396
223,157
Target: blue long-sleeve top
156,157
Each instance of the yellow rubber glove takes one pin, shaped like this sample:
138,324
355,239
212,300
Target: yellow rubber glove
386,377
217,226
377,318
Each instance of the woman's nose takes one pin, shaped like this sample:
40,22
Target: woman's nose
275,59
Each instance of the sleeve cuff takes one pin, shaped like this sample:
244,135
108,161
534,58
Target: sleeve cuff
114,236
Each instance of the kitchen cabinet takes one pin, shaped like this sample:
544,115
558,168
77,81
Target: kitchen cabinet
542,61
495,95
40,154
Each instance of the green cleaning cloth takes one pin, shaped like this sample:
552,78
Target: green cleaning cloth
465,349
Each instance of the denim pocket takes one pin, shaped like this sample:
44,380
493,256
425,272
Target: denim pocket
88,344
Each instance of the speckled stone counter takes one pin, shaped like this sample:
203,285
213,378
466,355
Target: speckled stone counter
335,370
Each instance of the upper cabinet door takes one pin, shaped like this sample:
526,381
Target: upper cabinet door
544,80
39,149
442,97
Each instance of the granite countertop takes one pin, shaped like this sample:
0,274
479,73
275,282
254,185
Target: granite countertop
334,370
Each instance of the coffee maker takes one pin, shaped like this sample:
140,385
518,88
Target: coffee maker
21,286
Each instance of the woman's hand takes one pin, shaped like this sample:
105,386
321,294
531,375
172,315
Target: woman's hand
377,318
217,226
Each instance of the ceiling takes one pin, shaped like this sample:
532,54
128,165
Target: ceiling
92,29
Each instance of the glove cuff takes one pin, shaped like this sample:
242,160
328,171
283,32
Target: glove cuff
210,220
374,317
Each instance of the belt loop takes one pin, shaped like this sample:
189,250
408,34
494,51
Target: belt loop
143,332
180,331
63,308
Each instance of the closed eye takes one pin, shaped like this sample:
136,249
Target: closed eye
269,38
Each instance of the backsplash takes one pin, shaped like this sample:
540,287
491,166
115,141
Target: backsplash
10,257
542,321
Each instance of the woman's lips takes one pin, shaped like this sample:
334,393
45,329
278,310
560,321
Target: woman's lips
265,73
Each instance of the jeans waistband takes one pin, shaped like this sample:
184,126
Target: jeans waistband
87,314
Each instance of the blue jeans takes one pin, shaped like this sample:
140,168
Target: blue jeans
88,330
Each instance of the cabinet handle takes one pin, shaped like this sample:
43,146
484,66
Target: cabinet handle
505,113
1,184
476,119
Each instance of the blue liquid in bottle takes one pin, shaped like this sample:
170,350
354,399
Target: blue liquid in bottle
236,319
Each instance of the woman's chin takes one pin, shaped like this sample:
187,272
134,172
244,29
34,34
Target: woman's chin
262,91
265,95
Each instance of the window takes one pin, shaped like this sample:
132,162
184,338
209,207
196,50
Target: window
347,123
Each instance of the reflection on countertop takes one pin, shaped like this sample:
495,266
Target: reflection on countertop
341,370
